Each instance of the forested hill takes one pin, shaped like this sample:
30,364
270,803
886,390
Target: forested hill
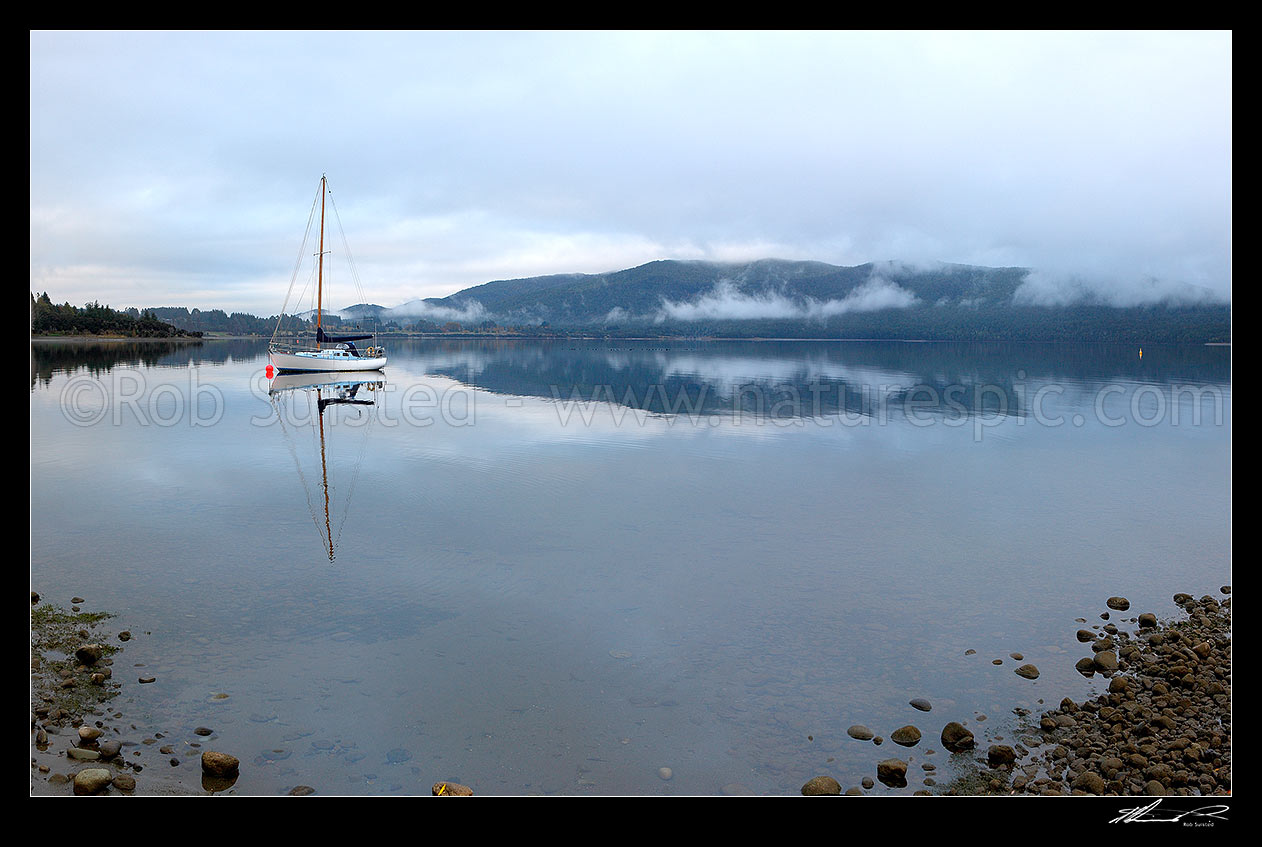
812,299
765,299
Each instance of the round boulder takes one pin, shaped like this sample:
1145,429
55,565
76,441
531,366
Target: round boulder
907,736
821,786
89,654
1000,754
892,772
956,737
91,780
220,764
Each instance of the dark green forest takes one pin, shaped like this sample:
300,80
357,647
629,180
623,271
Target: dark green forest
47,318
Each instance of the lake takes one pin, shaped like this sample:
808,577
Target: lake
560,567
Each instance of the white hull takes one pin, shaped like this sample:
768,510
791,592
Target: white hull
292,381
325,360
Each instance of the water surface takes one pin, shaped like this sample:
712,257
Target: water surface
557,567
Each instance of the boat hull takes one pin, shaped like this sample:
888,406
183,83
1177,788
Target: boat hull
322,362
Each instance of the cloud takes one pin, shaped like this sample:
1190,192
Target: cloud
725,303
1043,288
474,156
468,311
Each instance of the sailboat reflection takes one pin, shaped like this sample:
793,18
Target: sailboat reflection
304,399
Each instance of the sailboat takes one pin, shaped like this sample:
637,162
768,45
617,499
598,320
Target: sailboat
324,352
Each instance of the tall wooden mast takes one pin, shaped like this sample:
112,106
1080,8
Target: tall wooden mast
320,277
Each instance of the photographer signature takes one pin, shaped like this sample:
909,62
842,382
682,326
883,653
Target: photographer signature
1140,814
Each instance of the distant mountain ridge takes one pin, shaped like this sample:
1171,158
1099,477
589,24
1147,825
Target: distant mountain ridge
787,299
810,299
640,293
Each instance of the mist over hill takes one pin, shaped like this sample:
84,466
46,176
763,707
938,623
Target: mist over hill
800,299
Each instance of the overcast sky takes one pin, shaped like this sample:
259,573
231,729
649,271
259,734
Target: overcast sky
179,168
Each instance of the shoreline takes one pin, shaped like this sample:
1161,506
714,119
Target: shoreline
1162,727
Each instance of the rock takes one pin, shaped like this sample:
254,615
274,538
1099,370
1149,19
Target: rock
450,789
83,755
203,730
77,600
1016,656
1118,685
665,773
1089,782
1106,660
220,764
860,732
145,680
110,749
89,654
867,782
34,598
91,780
921,703
1086,666
821,786
1027,671
124,782
1147,620
955,737
89,733
1153,788
301,791
1085,635
892,772
124,636
1000,754
907,736
1121,604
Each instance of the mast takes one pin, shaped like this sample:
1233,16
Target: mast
324,475
320,277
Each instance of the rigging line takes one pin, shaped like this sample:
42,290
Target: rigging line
306,490
350,259
363,444
302,250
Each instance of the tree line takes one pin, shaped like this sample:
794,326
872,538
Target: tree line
48,318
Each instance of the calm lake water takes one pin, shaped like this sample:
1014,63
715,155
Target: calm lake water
559,567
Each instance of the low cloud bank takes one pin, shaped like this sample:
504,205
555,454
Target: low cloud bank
467,311
1041,288
725,303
